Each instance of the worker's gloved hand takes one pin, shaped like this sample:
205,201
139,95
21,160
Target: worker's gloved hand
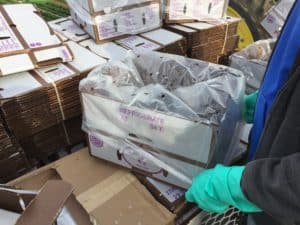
249,107
216,189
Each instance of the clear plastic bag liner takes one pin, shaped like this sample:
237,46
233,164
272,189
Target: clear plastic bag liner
252,61
173,106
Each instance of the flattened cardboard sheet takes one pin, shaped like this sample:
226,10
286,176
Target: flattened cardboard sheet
68,29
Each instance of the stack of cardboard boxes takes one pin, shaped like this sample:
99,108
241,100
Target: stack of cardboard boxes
209,41
39,95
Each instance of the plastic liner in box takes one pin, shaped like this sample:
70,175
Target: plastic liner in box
166,116
252,61
114,22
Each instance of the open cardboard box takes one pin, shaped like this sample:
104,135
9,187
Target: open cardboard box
53,204
108,50
21,47
110,194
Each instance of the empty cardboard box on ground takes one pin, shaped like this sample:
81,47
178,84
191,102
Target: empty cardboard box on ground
110,194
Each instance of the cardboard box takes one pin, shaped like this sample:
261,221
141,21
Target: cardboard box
273,23
117,24
21,48
179,11
171,42
68,30
275,19
110,194
156,143
96,6
53,204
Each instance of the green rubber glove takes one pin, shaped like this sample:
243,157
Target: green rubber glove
216,189
249,107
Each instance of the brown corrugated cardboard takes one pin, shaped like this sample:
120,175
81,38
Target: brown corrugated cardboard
209,41
21,49
110,194
53,204
13,161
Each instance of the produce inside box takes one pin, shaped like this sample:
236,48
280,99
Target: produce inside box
166,116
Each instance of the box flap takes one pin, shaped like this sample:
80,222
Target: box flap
17,84
109,50
138,44
199,25
15,64
15,200
67,28
84,60
55,73
182,28
162,36
47,205
42,35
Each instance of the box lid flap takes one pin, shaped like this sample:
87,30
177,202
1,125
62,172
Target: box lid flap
84,60
16,84
69,29
163,36
108,50
46,206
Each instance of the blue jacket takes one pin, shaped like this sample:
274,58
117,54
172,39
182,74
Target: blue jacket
278,71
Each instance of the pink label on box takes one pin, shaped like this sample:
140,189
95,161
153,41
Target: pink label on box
8,42
96,142
155,122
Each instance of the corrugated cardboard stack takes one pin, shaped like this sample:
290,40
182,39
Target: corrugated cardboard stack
209,41
41,107
13,161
